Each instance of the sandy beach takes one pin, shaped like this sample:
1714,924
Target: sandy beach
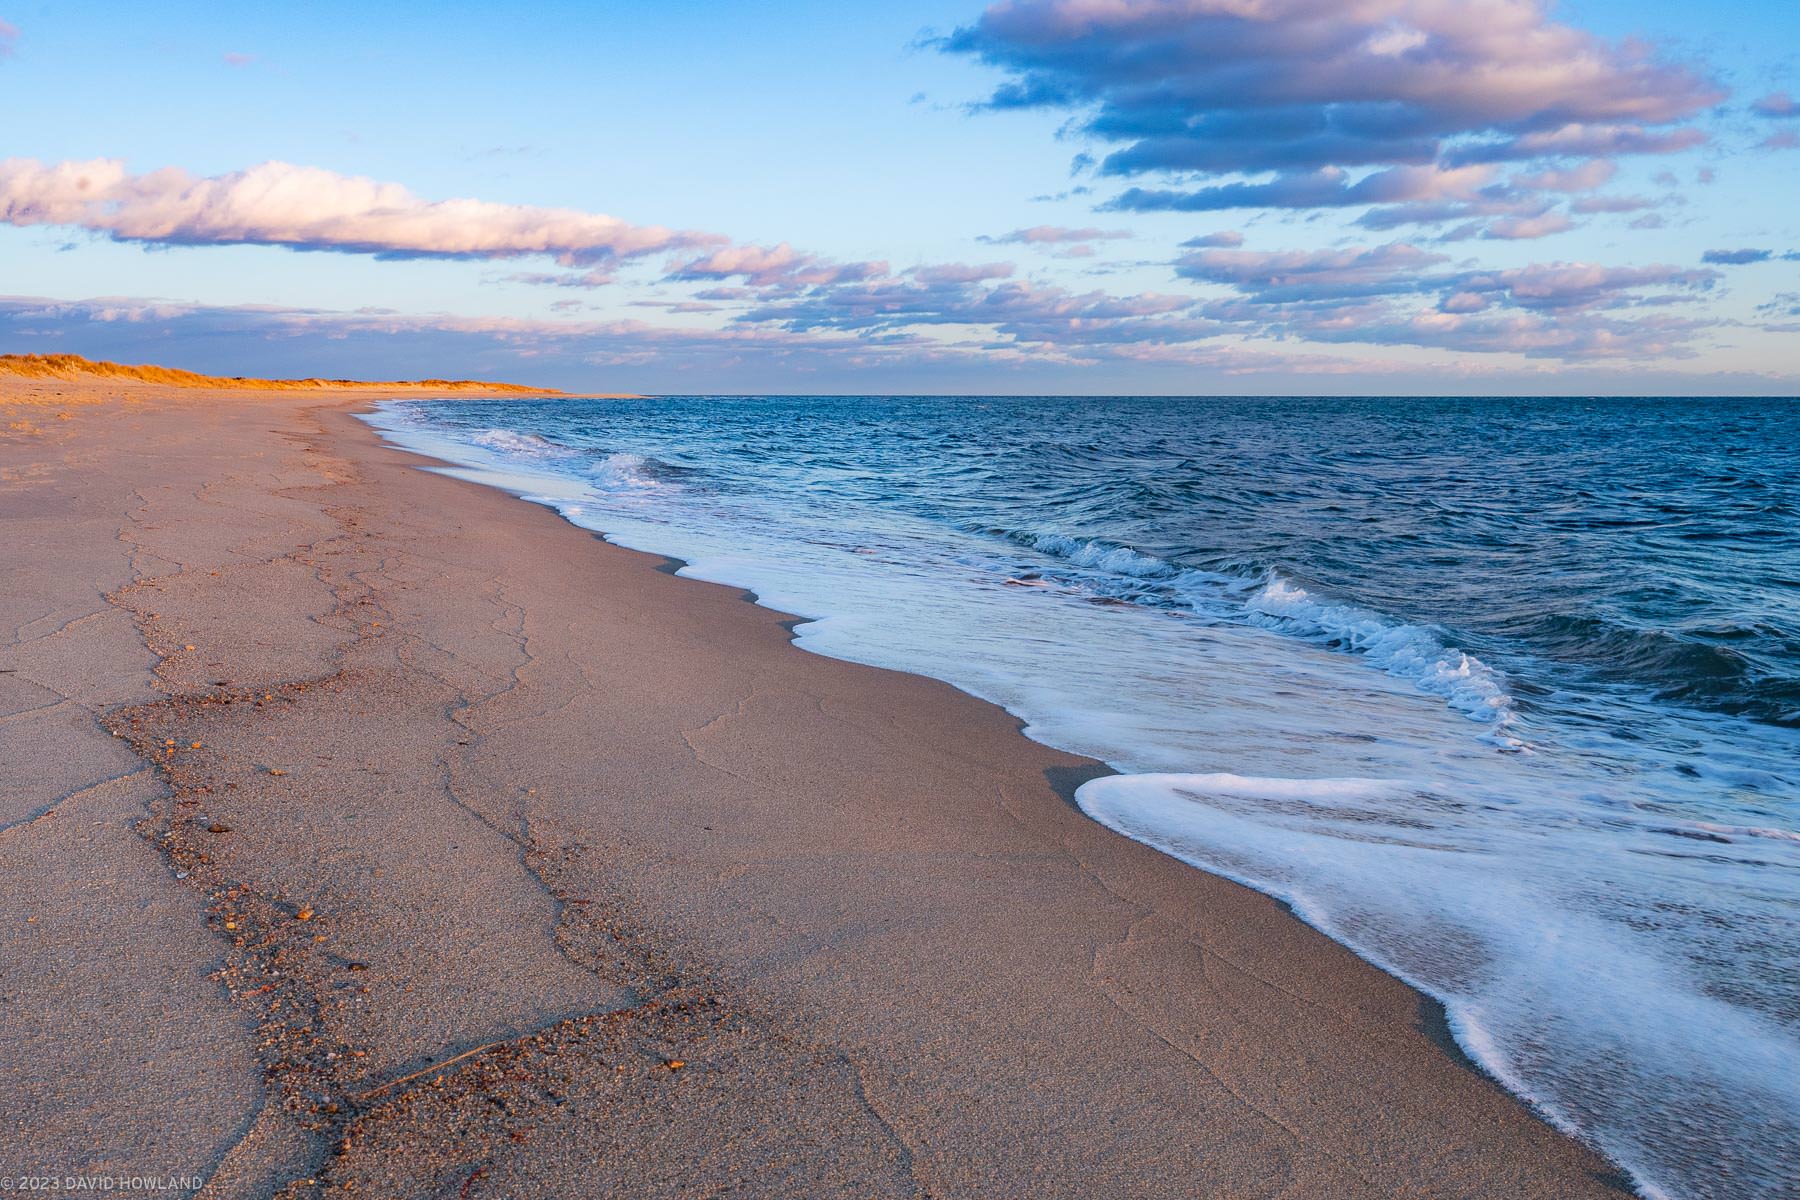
368,832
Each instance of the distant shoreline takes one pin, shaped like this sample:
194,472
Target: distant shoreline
74,368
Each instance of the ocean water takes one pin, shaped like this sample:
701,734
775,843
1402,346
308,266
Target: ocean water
1504,694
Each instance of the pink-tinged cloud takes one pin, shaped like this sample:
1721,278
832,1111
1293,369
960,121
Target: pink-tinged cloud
268,340
774,272
1054,235
1515,229
1400,295
1355,270
1534,336
954,273
9,36
307,208
1301,87
1371,295
774,266
1588,205
1578,140
1516,208
1586,177
1328,187
1570,286
1024,313
1776,105
1224,239
592,278
1391,295
1464,302
234,59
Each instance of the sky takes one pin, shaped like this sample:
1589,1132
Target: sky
1068,196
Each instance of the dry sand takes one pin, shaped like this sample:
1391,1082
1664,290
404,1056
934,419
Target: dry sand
319,771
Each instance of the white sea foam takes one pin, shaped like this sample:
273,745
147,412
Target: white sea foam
1408,651
1749,831
1105,556
519,445
627,472
1596,1026
1404,651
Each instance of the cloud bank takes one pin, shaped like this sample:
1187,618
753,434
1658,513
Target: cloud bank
1395,294
280,340
1342,102
1401,295
627,354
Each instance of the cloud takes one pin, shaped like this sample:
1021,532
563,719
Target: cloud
956,273
1521,207
413,343
264,340
1736,258
1611,204
307,208
1398,294
1521,228
1782,304
1053,235
9,37
1227,239
1533,336
593,278
1490,203
233,59
1313,90
1391,294
971,318
1577,140
1567,287
1594,173
1329,187
774,266
1785,139
1023,313
1311,274
1776,105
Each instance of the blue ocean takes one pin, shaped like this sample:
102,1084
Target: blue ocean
1503,694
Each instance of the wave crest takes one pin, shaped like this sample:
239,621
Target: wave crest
1410,652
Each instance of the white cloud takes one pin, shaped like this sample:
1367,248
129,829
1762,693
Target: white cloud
308,208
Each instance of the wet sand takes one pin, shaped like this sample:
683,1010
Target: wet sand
368,832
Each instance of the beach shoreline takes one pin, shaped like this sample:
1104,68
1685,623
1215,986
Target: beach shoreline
568,821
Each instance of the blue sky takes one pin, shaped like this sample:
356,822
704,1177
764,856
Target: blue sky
1290,195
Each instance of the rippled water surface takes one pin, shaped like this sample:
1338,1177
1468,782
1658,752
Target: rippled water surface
1504,694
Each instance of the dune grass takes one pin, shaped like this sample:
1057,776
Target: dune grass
75,367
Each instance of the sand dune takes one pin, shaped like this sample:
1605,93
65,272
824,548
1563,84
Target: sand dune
75,367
